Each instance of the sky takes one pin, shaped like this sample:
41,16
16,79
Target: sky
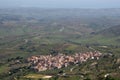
61,3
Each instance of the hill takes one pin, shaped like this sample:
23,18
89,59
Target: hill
31,32
112,31
29,20
108,36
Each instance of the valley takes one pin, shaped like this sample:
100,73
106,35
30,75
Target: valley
50,34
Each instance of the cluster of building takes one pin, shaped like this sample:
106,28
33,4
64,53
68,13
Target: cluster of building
45,62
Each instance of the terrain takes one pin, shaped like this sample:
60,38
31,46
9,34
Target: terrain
26,32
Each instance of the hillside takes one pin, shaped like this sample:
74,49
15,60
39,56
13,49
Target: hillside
30,32
30,20
108,36
111,32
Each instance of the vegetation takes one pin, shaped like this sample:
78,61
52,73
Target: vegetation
28,32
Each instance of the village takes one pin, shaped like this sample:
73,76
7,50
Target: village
48,62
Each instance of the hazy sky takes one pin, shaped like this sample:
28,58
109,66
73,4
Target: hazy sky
61,3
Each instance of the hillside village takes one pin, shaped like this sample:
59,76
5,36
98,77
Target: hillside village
47,62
